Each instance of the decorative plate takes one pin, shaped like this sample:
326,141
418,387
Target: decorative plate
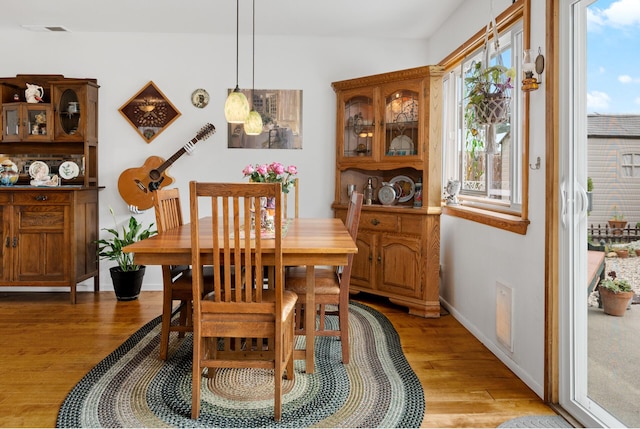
68,170
401,145
387,194
407,186
200,98
38,170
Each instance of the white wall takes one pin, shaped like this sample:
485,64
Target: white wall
180,63
474,256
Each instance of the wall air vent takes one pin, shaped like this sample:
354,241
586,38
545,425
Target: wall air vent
504,315
54,28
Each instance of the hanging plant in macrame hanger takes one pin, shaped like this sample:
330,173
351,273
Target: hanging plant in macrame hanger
488,89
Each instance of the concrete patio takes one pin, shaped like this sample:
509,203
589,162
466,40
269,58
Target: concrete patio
614,351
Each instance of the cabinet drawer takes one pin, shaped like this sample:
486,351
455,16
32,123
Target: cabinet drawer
5,197
34,218
379,222
411,225
41,197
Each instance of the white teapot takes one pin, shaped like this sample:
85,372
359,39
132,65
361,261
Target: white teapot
33,93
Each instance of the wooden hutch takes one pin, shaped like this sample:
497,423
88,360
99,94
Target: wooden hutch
49,233
389,130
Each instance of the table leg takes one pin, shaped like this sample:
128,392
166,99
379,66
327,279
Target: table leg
310,319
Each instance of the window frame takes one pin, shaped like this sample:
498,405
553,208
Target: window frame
634,166
497,214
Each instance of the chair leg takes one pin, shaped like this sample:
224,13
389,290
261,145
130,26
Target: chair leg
196,378
343,320
277,382
184,316
166,323
290,332
322,314
189,305
299,319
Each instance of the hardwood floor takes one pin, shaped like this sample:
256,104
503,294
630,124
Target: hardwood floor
47,345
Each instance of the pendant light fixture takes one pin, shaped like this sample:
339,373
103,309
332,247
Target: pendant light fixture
236,108
253,123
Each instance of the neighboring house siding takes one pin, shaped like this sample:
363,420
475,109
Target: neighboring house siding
609,138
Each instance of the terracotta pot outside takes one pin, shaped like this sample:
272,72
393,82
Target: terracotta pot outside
622,253
617,226
637,252
615,304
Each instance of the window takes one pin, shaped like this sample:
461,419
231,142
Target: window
486,159
489,160
630,165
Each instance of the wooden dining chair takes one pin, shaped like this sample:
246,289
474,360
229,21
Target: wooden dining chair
240,323
331,287
176,279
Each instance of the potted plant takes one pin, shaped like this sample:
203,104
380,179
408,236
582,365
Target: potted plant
488,95
634,249
622,250
616,294
617,222
126,276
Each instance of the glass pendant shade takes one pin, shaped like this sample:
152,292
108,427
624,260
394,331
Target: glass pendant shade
253,124
236,108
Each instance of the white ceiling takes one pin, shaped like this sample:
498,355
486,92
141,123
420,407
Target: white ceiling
403,19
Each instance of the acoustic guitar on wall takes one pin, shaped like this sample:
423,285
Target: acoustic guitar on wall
136,185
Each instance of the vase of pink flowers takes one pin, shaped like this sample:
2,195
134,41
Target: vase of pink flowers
270,173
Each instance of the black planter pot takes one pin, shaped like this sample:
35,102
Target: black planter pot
127,284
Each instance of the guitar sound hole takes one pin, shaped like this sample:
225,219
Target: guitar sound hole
154,174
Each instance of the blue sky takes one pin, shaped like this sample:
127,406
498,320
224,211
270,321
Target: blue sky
613,57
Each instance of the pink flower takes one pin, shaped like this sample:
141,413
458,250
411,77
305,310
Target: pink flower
277,168
248,170
292,169
262,169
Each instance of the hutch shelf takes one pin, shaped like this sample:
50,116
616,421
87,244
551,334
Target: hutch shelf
389,132
49,233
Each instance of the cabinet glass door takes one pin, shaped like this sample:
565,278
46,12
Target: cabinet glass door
69,112
401,117
11,121
37,119
359,126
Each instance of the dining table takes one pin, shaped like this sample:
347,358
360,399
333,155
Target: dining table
308,242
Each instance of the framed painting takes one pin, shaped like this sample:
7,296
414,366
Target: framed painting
281,112
149,112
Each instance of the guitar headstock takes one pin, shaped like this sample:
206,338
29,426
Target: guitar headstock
205,132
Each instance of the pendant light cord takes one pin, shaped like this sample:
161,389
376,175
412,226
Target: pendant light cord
253,60
237,41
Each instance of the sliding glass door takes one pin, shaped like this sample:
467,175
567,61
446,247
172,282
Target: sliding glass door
578,367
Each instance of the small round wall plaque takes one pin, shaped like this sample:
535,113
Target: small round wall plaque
200,98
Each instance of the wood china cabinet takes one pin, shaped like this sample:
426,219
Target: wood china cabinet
49,233
389,131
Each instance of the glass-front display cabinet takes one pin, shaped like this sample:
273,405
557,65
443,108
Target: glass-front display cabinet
50,214
389,137
26,121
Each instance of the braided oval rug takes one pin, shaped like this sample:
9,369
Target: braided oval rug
132,387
